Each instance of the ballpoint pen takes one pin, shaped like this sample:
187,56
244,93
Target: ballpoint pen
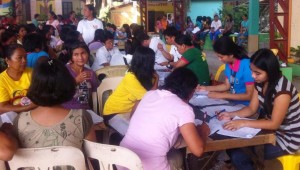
217,113
207,118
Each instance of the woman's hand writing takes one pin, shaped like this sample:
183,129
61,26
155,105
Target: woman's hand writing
224,116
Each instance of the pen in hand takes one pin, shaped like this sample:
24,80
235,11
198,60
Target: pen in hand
218,112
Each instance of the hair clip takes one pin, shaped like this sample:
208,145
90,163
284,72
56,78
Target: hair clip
50,62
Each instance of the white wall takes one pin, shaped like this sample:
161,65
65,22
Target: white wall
295,24
58,7
204,8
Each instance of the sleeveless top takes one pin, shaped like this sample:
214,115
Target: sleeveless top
288,134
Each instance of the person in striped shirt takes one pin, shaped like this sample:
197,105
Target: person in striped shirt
278,99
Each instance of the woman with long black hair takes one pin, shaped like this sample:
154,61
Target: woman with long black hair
140,78
279,101
237,71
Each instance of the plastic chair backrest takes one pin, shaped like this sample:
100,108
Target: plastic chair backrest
219,71
113,71
44,158
92,57
107,155
275,51
110,83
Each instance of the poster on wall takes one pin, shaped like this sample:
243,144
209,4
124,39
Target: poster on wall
43,6
5,6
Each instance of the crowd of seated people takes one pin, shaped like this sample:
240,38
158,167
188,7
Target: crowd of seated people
48,78
204,26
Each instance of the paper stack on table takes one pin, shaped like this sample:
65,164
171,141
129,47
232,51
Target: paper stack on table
203,100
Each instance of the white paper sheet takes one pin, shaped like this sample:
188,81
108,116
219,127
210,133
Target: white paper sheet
117,59
119,123
212,110
201,92
96,118
8,117
202,100
215,124
195,30
244,132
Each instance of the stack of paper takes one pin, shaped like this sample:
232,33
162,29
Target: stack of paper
203,100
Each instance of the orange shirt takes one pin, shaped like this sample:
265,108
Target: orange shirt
164,23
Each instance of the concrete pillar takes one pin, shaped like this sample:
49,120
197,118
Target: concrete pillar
58,7
253,25
33,7
295,24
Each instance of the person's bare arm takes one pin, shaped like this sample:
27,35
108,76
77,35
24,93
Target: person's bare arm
179,63
7,107
245,112
8,143
155,81
166,54
195,138
280,108
218,88
91,136
230,96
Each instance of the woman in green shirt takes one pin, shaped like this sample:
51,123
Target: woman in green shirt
192,59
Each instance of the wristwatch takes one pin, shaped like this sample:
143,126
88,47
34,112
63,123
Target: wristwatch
169,65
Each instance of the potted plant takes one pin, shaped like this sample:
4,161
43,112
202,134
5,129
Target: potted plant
295,54
295,60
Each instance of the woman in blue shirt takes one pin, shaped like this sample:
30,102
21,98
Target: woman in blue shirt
237,71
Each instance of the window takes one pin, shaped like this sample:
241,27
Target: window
67,7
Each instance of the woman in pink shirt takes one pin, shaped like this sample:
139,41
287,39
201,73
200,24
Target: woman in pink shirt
160,118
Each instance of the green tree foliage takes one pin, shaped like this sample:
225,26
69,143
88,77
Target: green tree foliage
236,11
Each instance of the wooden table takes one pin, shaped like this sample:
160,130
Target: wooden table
220,142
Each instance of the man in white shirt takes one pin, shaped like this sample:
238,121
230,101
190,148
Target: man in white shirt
215,26
170,33
108,54
156,44
88,26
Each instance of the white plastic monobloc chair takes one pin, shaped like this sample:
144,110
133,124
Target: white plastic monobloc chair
46,158
110,83
107,155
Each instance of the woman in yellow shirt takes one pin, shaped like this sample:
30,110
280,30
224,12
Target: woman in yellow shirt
15,81
140,78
